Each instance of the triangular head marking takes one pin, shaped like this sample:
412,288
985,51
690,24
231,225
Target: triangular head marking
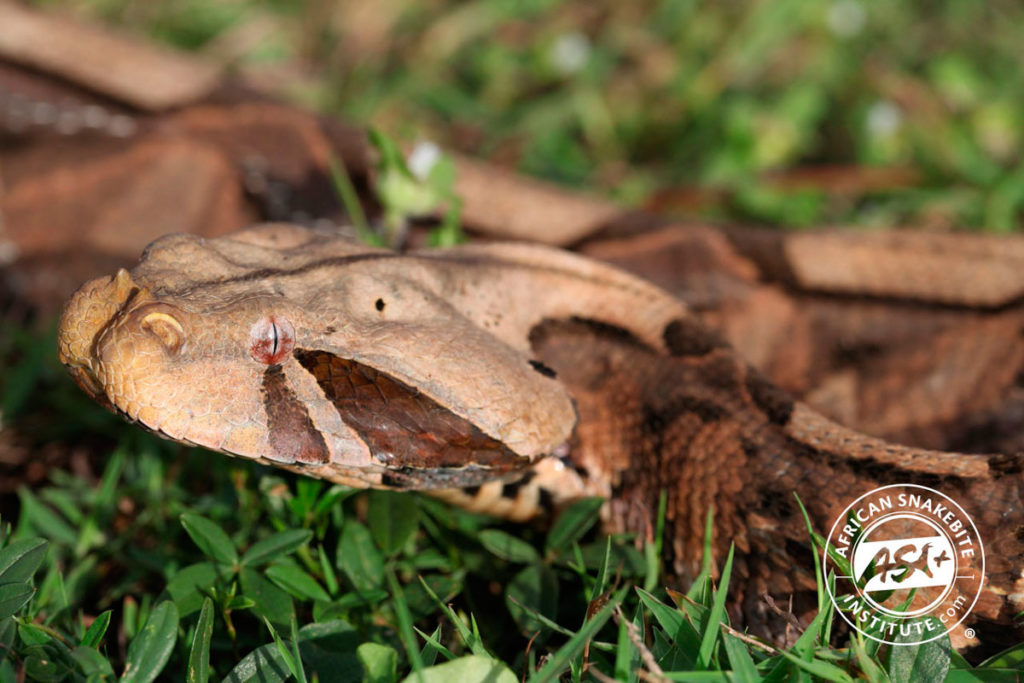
404,429
292,435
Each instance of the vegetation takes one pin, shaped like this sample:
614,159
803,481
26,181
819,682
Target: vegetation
698,107
159,560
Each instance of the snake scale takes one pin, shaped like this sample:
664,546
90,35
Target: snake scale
508,378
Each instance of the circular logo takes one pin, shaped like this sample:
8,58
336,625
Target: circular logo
909,564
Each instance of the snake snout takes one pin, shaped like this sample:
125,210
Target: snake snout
86,315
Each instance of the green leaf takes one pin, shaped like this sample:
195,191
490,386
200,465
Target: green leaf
32,634
20,560
819,668
743,668
627,656
558,661
273,547
678,629
13,597
469,636
572,523
199,653
271,602
919,661
716,617
468,669
187,586
330,578
433,646
404,619
210,538
329,650
390,155
92,664
44,520
380,662
346,191
421,603
358,557
8,634
536,587
151,648
1012,657
263,665
289,653
97,629
394,518
296,581
508,547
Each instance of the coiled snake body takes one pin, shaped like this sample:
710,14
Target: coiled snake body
508,378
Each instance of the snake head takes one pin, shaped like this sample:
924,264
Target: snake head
312,354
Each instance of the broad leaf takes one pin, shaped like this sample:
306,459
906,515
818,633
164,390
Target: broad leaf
20,560
394,518
535,587
380,662
13,597
359,558
508,547
572,524
297,582
469,669
909,661
275,546
210,538
151,648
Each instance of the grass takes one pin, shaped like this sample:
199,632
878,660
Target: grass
156,561
188,563
173,562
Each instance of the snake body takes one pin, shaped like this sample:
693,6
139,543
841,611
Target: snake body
506,378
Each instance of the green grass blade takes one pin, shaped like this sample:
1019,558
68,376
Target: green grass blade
470,637
742,664
559,660
716,616
199,653
97,629
405,630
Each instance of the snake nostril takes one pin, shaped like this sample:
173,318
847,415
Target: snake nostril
165,328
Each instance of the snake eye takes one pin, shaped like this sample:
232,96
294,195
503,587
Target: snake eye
271,340
165,328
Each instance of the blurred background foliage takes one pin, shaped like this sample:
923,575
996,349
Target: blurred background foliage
793,113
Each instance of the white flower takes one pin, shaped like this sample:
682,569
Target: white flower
570,52
423,158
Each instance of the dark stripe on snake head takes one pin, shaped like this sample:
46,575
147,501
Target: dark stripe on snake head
690,337
404,429
293,437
